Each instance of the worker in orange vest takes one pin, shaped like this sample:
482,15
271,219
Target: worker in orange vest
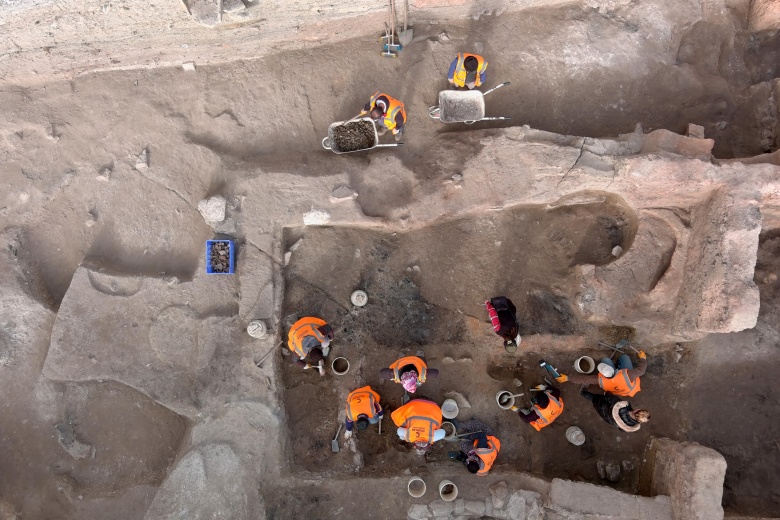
363,408
409,371
547,406
478,451
419,422
621,380
388,113
309,341
467,70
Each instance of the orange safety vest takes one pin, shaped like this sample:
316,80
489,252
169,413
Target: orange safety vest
549,414
488,455
361,402
391,111
620,384
419,366
420,418
301,329
460,74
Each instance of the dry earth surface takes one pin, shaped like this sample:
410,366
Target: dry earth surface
128,382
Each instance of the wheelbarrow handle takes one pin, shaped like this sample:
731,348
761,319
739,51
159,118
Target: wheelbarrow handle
496,118
386,145
495,88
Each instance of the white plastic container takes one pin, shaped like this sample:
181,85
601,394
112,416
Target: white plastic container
451,494
585,365
416,487
340,366
359,298
257,329
575,436
449,430
449,409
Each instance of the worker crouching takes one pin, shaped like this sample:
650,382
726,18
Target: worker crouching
621,380
419,422
479,449
547,407
309,341
409,371
503,318
616,411
387,112
467,70
363,408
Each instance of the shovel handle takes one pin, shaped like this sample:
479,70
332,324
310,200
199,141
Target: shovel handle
386,145
504,84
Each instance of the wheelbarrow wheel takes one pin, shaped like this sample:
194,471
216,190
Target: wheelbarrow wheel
469,122
434,112
326,143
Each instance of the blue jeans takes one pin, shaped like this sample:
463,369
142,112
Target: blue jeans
623,362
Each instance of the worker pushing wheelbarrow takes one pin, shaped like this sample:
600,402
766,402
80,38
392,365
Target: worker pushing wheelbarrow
384,113
457,106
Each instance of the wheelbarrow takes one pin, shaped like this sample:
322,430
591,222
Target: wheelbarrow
463,106
329,143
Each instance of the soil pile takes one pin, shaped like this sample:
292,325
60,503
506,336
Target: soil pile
219,257
357,135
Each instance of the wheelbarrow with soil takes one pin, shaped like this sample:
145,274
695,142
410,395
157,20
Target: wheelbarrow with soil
355,135
463,106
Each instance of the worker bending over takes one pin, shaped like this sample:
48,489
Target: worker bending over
503,317
419,422
547,406
362,409
467,70
410,372
617,412
478,450
309,341
387,112
621,380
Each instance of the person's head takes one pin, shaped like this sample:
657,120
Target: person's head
641,415
421,447
470,63
472,466
326,330
362,422
409,381
541,400
377,112
315,355
606,370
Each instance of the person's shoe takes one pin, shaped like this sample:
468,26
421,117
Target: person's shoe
398,137
321,368
456,455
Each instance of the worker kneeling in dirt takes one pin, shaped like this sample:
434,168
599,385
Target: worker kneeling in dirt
388,113
467,70
547,406
616,411
503,317
362,409
419,422
309,341
478,450
621,380
410,372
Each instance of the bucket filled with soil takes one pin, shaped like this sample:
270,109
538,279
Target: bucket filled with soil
220,257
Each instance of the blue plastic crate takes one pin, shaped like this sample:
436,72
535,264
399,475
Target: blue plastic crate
231,252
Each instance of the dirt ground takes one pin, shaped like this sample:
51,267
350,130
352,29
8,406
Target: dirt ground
573,71
424,293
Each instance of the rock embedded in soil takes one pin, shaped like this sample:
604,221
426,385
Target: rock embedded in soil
357,135
213,209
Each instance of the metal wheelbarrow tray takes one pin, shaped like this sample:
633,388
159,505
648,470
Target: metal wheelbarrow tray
463,106
329,143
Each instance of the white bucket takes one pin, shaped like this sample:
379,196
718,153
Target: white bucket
340,366
449,430
257,329
449,409
359,298
585,365
451,493
575,436
510,400
416,487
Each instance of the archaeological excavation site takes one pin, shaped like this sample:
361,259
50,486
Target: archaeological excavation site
390,259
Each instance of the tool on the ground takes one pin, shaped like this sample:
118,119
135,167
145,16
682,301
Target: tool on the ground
380,425
618,347
390,49
259,364
334,444
551,369
539,388
405,399
504,398
458,106
405,36
454,437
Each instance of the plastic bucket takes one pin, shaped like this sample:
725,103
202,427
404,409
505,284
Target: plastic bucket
257,329
585,365
508,400
449,409
448,491
449,430
359,298
416,487
340,366
575,436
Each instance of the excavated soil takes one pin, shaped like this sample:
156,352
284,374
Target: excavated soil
354,136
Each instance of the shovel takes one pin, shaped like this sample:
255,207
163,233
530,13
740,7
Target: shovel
456,437
405,399
405,36
380,425
334,444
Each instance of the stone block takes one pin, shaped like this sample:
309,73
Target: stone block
515,507
475,507
440,508
695,131
460,507
498,494
764,15
232,6
205,12
418,512
666,141
213,209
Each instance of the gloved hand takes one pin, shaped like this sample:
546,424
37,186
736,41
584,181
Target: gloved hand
562,378
363,112
325,350
642,354
514,408
347,435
